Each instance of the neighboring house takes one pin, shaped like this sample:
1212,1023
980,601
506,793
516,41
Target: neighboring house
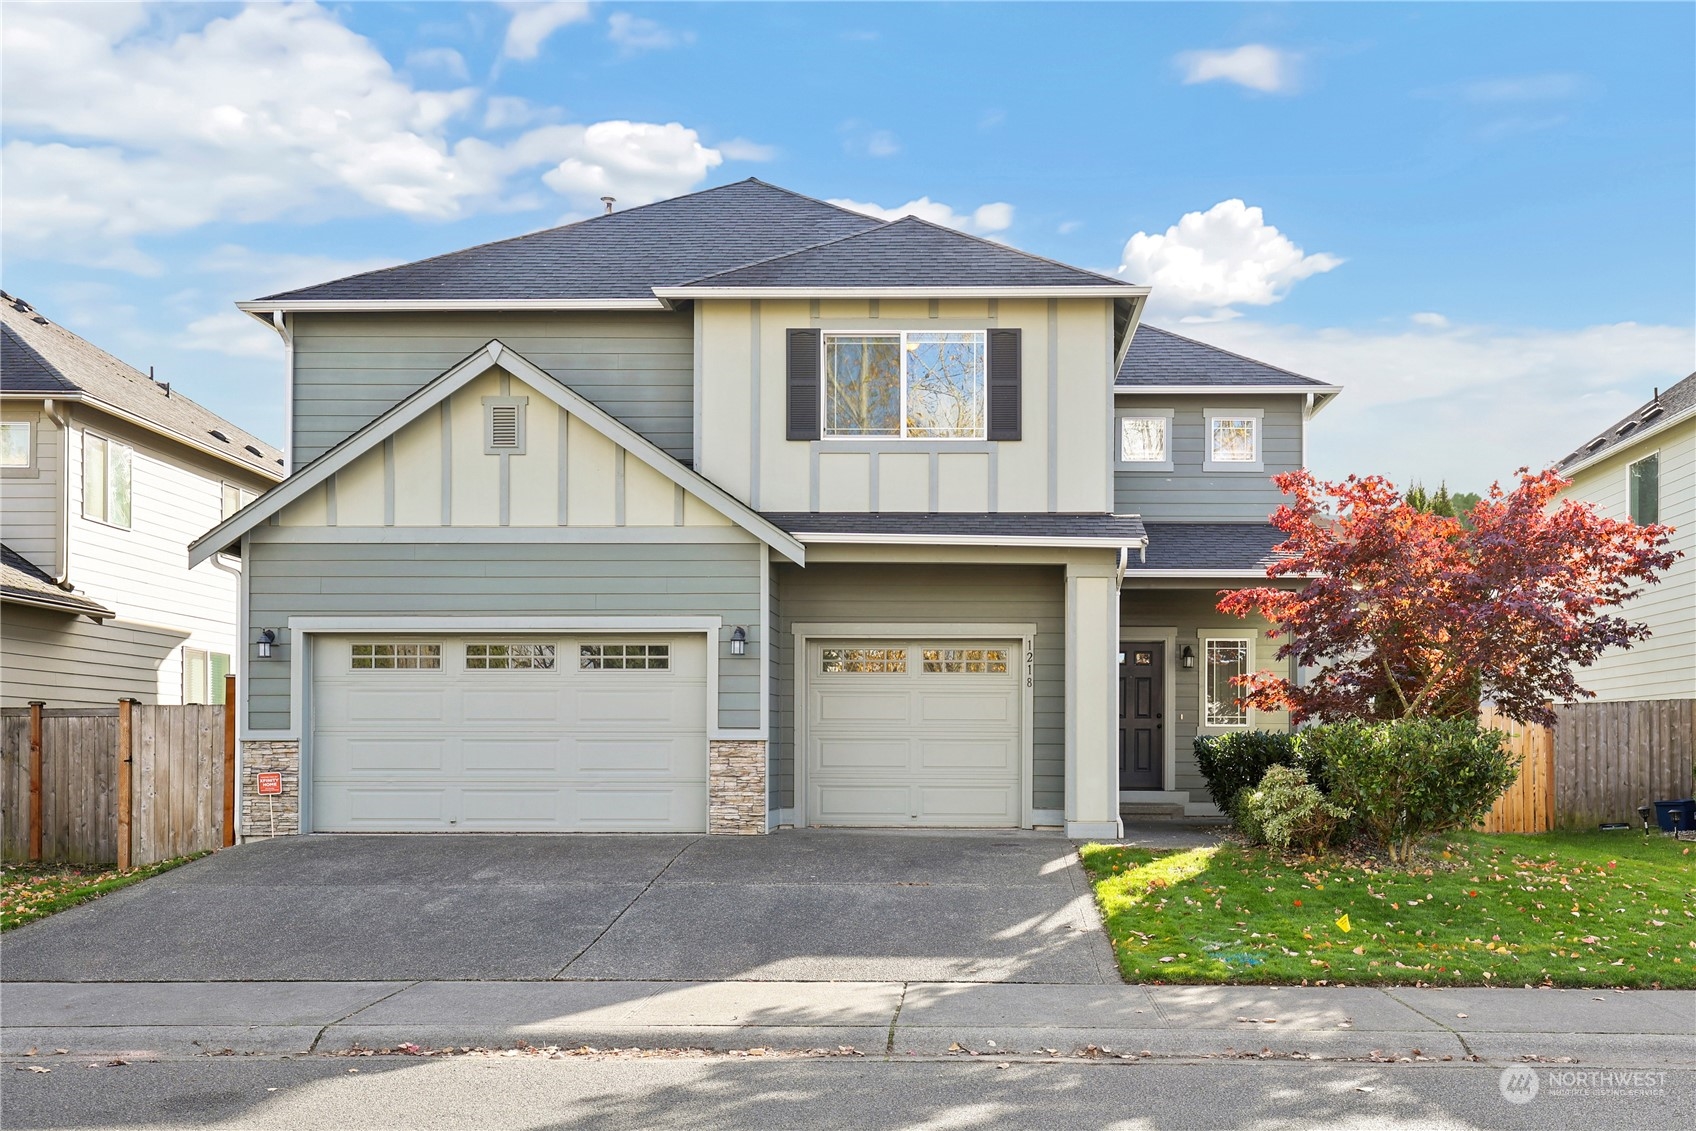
741,510
1644,468
105,476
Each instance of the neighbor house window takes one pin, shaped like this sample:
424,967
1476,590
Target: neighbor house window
624,657
915,385
1646,490
203,676
397,657
892,661
234,498
105,481
1227,658
509,657
16,450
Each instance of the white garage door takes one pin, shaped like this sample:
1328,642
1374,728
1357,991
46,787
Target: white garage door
914,732
509,734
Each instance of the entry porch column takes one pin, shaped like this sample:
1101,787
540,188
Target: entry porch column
1092,699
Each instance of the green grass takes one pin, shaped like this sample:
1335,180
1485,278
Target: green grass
1562,909
34,891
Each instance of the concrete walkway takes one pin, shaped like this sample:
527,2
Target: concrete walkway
897,1019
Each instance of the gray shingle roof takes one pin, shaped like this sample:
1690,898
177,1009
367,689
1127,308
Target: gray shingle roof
1123,529
1680,398
1245,546
40,356
622,255
908,252
21,580
1162,358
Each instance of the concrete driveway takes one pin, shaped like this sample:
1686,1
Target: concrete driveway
794,906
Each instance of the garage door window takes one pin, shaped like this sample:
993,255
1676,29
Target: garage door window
966,661
864,660
509,657
397,657
624,657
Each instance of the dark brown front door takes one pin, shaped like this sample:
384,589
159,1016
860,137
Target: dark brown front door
1142,711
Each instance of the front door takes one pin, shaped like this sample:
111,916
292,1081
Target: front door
1142,710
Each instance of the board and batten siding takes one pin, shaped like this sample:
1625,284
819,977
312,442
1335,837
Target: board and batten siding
1663,666
926,594
29,518
1193,613
1189,492
1059,463
351,368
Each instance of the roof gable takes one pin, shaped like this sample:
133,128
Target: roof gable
1670,405
1161,359
622,255
492,356
908,252
39,356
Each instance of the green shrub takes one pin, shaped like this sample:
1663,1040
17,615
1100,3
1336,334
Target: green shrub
1411,778
1288,813
1233,763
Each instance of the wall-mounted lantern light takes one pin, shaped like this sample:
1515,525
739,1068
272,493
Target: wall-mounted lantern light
738,641
267,637
1187,657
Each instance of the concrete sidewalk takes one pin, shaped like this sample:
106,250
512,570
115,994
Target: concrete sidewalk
1598,1027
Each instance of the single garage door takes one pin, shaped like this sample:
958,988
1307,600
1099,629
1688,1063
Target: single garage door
509,734
914,732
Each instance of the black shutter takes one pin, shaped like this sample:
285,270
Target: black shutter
803,399
1005,395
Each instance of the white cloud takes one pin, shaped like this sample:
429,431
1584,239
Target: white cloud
741,149
1067,227
277,111
532,23
1254,65
268,272
982,220
1468,403
444,59
860,140
633,34
230,332
1210,262
1429,318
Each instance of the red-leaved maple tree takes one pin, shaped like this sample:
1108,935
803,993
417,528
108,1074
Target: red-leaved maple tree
1408,613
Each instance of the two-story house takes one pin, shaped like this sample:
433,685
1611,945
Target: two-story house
1643,467
741,510
105,475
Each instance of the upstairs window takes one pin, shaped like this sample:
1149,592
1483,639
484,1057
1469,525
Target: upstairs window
914,385
1646,490
234,498
15,448
105,481
1233,440
1145,439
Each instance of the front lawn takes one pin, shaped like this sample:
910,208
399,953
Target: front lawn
1562,909
34,891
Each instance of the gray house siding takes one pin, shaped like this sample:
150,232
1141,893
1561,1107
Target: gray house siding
1191,493
70,661
839,592
350,368
1194,614
511,579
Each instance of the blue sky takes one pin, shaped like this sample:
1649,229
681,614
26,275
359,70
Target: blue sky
1480,218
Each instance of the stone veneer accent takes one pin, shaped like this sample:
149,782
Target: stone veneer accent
736,786
271,815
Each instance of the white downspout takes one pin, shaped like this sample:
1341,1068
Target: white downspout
61,416
279,322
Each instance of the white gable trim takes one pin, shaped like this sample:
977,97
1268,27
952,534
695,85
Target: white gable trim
494,354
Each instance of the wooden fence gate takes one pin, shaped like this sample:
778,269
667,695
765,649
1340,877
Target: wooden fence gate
130,784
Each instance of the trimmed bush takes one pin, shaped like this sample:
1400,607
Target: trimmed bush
1411,778
1288,813
1234,763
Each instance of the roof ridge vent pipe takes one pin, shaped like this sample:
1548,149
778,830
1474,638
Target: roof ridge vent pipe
609,201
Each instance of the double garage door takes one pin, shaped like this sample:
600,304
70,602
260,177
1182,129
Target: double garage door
509,734
914,732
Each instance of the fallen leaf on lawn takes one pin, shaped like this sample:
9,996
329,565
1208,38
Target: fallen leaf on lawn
1361,949
34,1068
1003,1066
1460,1015
1364,1088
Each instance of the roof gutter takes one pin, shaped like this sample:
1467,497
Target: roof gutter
1625,445
89,609
153,427
834,538
1325,391
1102,291
264,309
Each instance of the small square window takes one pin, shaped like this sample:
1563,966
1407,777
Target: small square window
397,657
1143,439
16,444
624,657
1234,439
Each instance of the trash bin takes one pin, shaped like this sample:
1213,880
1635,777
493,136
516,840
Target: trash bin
1685,811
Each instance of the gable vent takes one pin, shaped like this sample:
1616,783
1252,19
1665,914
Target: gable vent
503,419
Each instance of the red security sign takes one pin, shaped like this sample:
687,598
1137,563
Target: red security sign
270,784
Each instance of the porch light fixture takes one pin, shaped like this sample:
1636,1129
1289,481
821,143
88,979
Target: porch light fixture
738,641
1187,657
267,637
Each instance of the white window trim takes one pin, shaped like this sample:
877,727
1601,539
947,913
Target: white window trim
32,469
106,503
489,404
1654,455
825,435
1209,415
1128,413
1202,722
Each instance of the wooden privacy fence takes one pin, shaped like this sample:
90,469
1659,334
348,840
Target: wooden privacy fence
130,784
1612,757
1529,804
